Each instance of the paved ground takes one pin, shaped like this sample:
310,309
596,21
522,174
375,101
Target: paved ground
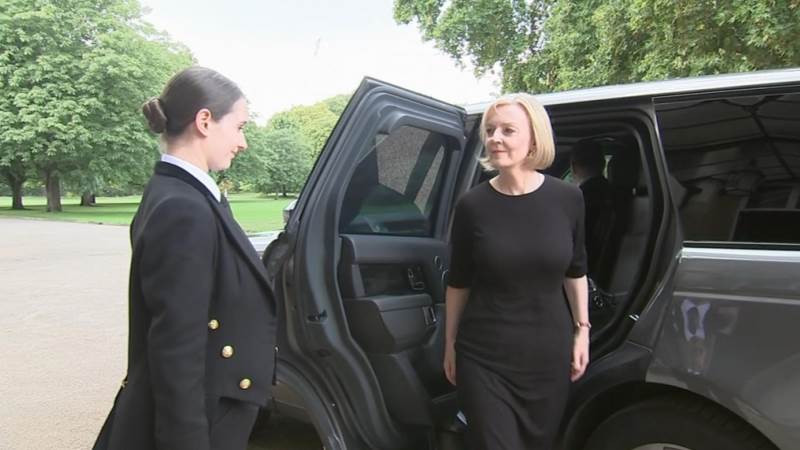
63,328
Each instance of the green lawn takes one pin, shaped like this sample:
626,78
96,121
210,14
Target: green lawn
254,212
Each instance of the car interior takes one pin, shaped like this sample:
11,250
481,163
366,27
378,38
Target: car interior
736,167
628,226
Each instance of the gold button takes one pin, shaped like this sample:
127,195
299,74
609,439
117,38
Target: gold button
245,383
227,351
213,324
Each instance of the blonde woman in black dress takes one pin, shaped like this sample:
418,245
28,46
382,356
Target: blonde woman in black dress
513,341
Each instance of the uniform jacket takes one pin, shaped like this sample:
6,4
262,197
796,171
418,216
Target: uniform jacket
202,319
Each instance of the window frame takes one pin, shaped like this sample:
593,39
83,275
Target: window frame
437,142
660,102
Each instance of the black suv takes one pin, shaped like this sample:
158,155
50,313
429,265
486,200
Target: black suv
695,303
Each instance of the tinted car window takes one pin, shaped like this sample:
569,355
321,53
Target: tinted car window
392,191
735,167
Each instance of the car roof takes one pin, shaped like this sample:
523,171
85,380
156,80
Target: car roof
662,88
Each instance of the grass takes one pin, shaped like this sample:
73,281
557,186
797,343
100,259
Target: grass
254,212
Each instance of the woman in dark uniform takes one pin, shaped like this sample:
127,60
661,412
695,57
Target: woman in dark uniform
513,342
202,314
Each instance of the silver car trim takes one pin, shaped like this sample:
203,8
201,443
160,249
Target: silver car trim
736,298
741,254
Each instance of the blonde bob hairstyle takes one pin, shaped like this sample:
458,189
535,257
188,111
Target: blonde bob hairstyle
543,148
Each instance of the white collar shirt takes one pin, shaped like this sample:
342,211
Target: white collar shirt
196,172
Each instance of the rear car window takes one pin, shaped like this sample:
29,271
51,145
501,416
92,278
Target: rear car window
392,191
735,167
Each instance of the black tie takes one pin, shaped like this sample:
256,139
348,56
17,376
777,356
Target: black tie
226,206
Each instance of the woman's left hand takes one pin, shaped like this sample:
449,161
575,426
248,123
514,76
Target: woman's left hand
580,353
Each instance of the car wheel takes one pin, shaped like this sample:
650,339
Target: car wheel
675,423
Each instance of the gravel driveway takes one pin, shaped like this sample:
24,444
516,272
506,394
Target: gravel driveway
63,297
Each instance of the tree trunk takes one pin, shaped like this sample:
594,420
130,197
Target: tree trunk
16,196
88,199
53,185
15,182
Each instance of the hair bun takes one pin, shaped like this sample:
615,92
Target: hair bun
153,110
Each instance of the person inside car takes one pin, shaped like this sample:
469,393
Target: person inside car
588,165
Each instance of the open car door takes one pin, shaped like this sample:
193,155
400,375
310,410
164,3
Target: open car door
363,272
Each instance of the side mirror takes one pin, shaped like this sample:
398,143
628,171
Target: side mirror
287,211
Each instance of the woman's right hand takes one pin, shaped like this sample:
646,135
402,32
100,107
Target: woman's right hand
456,301
450,363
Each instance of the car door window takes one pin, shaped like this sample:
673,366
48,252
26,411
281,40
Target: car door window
391,190
735,167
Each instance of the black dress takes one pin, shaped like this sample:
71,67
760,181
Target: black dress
514,343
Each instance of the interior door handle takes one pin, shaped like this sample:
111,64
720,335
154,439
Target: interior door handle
414,279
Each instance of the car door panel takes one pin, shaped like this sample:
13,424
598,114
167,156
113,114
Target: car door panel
390,323
393,292
363,284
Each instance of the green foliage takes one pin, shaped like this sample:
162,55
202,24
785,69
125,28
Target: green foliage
73,75
312,123
288,161
249,166
548,45
276,161
280,154
337,104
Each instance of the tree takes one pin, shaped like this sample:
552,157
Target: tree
337,104
73,74
312,122
123,149
287,162
276,161
249,166
281,154
15,175
549,45
30,81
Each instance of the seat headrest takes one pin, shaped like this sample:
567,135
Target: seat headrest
624,170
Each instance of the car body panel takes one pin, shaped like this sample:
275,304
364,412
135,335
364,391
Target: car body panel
730,334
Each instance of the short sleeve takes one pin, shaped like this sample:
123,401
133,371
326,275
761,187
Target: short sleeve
578,266
461,238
